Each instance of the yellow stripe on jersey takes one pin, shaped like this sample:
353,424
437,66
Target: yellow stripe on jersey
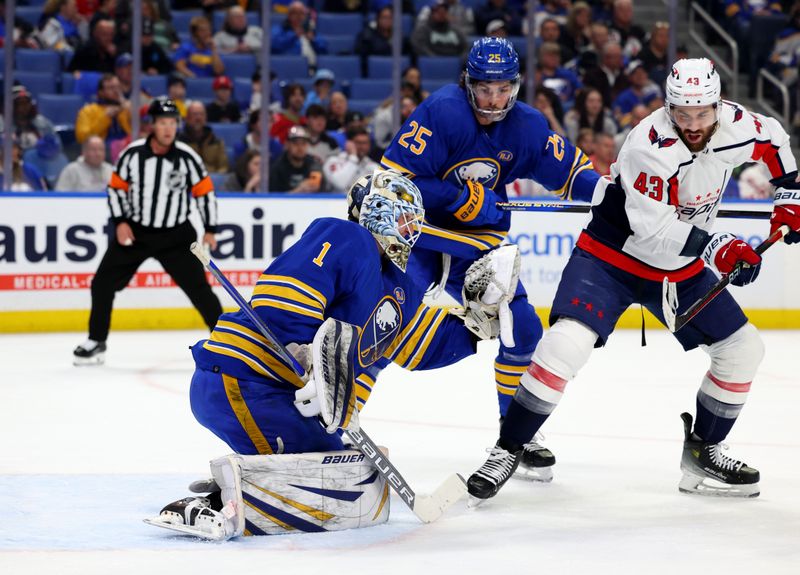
310,511
364,386
415,342
295,283
580,163
244,416
256,366
289,293
257,345
266,515
481,241
390,164
262,301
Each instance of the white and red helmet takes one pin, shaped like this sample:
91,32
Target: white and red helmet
693,82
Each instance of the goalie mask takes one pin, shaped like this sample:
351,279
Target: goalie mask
389,205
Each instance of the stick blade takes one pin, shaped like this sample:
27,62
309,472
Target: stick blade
429,508
669,303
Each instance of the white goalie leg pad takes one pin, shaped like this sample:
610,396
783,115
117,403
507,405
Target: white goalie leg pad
560,354
734,362
306,492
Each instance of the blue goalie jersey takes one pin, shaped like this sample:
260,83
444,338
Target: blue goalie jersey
442,146
335,270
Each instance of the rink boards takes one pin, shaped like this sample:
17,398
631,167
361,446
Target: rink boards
51,245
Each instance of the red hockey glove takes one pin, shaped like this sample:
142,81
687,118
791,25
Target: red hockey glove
786,214
724,251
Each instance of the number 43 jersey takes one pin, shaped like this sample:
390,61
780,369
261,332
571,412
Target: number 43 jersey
659,190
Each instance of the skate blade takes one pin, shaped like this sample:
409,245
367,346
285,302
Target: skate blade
98,359
474,502
697,485
537,474
185,529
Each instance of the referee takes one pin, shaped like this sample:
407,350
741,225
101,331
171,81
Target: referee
149,195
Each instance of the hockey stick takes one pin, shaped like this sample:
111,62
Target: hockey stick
669,302
523,206
427,508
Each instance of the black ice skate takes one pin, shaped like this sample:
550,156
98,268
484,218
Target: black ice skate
196,516
491,476
707,471
537,461
89,352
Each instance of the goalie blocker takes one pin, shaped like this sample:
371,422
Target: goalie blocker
278,494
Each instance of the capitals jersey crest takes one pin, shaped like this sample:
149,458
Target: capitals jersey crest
379,331
660,140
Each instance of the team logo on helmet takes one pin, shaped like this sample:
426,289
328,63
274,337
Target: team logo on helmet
660,140
380,330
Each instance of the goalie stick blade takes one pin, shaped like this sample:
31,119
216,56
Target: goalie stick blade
430,507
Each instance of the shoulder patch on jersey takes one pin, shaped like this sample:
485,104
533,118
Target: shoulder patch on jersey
399,295
505,156
380,330
660,140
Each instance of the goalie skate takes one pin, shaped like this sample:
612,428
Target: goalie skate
195,516
707,471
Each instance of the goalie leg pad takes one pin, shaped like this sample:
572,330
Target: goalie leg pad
306,492
334,350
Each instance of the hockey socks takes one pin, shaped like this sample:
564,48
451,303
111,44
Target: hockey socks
519,426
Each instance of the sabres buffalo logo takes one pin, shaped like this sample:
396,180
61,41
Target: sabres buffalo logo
484,171
660,140
380,331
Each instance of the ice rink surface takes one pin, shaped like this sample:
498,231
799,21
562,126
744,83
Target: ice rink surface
88,452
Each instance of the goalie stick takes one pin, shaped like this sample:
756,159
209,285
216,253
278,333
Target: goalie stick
669,301
427,508
523,206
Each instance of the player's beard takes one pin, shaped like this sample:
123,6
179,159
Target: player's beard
698,145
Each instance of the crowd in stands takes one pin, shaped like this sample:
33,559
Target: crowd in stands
598,75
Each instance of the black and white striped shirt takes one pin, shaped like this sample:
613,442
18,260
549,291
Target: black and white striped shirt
156,190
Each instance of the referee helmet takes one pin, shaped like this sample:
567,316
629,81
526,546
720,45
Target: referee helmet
163,106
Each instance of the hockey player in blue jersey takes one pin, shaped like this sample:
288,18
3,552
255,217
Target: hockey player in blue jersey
247,395
462,146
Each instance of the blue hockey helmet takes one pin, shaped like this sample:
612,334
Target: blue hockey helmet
389,205
492,60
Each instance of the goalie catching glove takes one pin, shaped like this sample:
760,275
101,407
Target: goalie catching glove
330,392
489,286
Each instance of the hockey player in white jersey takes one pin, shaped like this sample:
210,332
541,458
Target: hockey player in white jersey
654,220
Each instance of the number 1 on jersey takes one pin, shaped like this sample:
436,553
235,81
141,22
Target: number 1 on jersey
325,247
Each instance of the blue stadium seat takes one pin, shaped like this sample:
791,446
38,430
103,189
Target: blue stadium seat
440,67
36,82
344,67
44,61
289,66
155,85
370,89
520,45
366,107
242,92
407,24
67,82
338,45
199,89
29,14
181,19
61,109
380,67
230,134
84,85
331,24
239,65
